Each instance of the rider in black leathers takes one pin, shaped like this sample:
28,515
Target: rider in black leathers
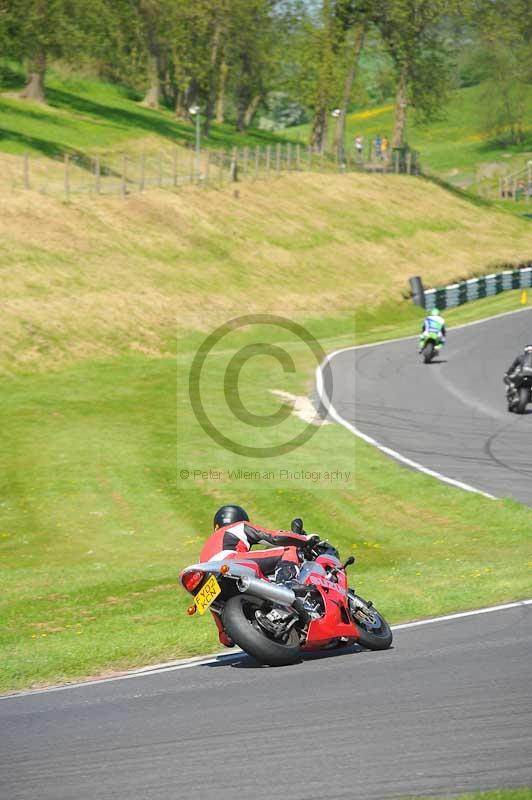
511,375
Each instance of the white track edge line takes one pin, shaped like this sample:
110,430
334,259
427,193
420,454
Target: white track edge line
331,411
199,661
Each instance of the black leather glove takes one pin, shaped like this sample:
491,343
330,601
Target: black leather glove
309,548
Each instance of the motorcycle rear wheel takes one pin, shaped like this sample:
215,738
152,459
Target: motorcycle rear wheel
374,631
428,351
524,394
241,625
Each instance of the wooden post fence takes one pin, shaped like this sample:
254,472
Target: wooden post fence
396,161
160,170
67,176
207,167
26,171
142,171
233,170
124,176
174,167
192,166
221,156
97,174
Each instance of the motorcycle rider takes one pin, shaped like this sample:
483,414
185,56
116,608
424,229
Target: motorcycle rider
234,536
433,323
522,362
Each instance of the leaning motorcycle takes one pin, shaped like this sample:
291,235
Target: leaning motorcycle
274,622
429,345
519,393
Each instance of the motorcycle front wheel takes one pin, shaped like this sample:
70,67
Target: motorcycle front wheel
374,631
241,624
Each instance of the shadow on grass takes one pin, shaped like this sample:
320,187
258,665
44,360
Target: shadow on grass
149,121
47,148
50,150
11,79
461,193
505,143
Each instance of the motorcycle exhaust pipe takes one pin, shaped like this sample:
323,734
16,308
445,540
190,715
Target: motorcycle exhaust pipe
267,591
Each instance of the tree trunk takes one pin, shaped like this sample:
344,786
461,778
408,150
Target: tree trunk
401,105
220,100
318,137
251,110
153,95
214,59
244,99
181,110
339,135
34,89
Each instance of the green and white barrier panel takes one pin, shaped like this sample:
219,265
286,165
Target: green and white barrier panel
458,293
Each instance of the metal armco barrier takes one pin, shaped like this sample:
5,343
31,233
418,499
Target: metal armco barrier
459,293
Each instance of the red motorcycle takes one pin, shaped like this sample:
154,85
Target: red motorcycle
273,622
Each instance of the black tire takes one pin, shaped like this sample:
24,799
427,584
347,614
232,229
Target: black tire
374,631
524,394
428,351
240,624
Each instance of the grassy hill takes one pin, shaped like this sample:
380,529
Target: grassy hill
104,306
140,270
456,147
83,115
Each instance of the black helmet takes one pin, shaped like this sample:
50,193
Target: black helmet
228,514
528,348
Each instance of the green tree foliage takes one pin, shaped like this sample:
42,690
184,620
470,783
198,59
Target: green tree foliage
503,58
40,30
412,34
227,55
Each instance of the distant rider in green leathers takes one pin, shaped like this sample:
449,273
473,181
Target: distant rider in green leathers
433,324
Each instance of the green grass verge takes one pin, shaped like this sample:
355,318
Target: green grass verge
83,115
96,520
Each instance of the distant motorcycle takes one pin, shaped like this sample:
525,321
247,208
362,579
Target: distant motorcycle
273,622
519,393
429,345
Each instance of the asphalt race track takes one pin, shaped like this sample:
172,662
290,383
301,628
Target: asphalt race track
447,709
450,415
